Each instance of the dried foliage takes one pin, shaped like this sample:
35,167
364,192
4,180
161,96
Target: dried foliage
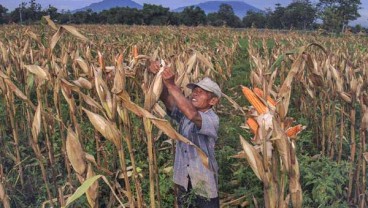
83,100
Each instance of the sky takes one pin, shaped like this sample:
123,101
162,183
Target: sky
261,4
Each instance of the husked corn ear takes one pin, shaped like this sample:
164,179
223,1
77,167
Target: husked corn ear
253,99
135,52
253,125
259,92
292,131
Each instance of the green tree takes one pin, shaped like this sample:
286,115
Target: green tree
193,16
85,17
155,15
52,12
336,14
27,13
254,19
34,11
64,17
299,15
3,15
225,16
213,19
226,13
275,18
17,15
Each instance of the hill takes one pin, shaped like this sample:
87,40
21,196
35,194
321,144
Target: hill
108,4
240,8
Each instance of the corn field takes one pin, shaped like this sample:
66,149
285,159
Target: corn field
80,112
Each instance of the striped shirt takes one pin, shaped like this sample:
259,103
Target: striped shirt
187,161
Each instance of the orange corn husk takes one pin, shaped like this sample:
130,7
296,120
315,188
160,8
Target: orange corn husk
259,92
135,51
292,131
253,99
253,125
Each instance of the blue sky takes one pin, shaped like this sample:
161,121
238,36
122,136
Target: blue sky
76,4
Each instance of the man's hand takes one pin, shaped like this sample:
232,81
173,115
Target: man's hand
168,77
154,66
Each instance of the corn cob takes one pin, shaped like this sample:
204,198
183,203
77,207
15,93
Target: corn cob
253,99
292,131
259,92
253,125
135,52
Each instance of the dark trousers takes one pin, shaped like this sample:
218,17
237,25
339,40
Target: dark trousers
188,199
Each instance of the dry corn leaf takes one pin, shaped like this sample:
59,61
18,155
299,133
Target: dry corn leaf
4,52
50,22
235,105
2,192
66,90
75,152
283,105
2,75
119,79
345,96
280,140
240,155
36,124
364,123
83,83
38,71
3,197
25,48
204,60
91,102
55,38
365,156
190,64
2,86
72,30
103,92
84,66
92,191
107,128
33,36
253,158
15,89
286,86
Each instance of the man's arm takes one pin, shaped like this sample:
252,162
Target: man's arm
167,99
174,97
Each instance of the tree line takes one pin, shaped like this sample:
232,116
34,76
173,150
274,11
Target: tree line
331,15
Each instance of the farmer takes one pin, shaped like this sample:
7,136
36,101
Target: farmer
199,123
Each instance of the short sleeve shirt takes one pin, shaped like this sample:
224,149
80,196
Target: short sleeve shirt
187,161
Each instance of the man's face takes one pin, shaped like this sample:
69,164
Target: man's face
202,99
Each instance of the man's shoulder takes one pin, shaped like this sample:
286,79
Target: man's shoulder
212,113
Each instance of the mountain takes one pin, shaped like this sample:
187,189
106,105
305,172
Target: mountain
108,4
240,8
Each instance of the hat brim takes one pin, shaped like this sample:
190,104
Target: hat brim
192,86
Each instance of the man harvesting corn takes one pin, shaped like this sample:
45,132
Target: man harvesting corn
199,123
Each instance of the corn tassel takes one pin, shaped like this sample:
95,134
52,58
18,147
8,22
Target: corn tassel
259,92
253,99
